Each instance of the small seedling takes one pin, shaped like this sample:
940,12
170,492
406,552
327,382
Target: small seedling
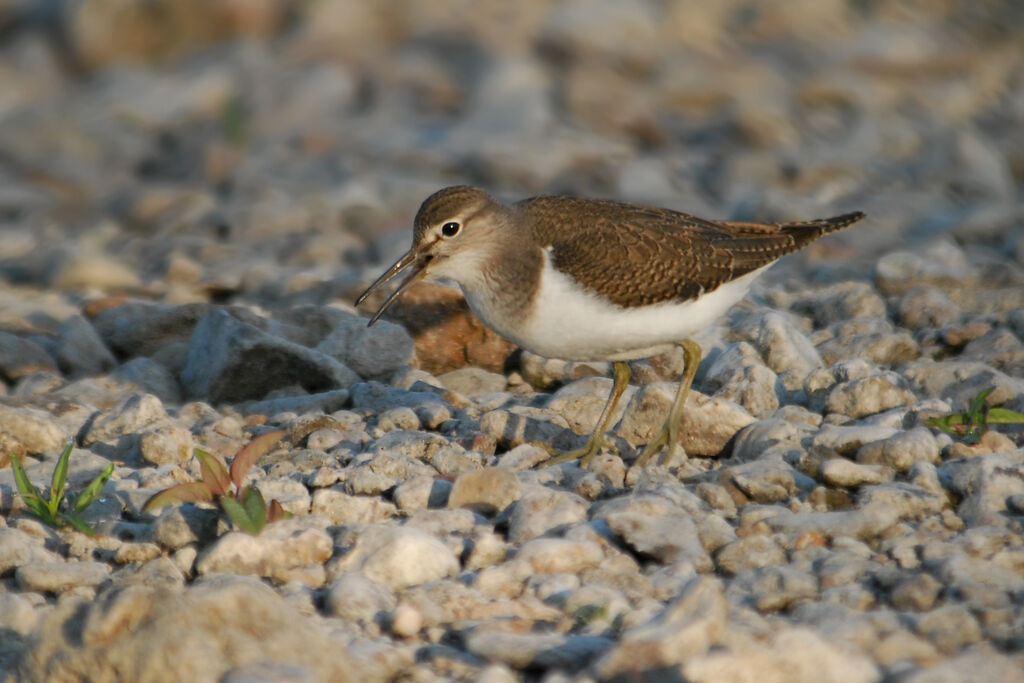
245,506
58,511
970,426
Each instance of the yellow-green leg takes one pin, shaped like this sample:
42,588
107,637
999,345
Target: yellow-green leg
597,437
669,434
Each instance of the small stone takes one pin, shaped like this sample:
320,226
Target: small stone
21,357
406,621
924,307
541,509
165,444
355,598
371,351
55,577
342,508
949,628
127,417
708,423
842,472
397,557
869,395
281,546
486,491
36,430
80,351
179,525
474,382
667,538
17,614
420,493
901,450
749,552
556,555
685,629
917,592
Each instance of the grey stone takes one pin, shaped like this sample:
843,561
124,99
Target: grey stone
984,483
420,493
869,395
55,577
230,616
901,450
960,381
355,598
281,547
20,357
667,538
371,351
924,307
749,552
148,376
473,382
230,361
540,509
687,628
18,549
486,491
343,508
842,472
79,349
708,422
36,430
397,557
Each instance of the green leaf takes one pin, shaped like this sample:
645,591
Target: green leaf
30,494
239,515
255,506
1004,416
214,472
92,491
60,477
978,403
79,523
192,492
253,451
948,423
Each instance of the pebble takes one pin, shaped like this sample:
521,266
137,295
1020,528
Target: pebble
397,557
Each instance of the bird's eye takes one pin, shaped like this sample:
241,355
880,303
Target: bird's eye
450,229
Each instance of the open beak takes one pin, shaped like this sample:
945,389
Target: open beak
418,265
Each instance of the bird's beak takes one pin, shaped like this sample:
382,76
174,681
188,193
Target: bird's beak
417,263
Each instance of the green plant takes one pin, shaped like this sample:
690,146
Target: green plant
245,506
970,426
57,510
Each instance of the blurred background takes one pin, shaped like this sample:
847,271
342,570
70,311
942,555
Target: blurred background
275,152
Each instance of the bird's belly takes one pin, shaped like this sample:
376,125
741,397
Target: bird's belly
566,321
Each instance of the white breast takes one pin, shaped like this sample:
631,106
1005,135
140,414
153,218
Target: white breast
571,323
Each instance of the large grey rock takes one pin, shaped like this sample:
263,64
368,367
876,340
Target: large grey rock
370,351
229,360
142,633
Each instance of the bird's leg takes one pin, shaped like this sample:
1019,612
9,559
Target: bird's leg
668,436
597,437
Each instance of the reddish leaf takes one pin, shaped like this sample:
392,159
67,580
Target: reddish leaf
192,492
214,471
248,456
276,512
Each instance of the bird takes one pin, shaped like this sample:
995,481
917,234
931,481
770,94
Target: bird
594,279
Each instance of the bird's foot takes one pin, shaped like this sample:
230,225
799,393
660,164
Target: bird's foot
584,454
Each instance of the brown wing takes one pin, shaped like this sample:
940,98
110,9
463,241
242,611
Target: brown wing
637,255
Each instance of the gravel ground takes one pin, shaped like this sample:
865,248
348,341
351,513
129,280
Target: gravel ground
193,193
